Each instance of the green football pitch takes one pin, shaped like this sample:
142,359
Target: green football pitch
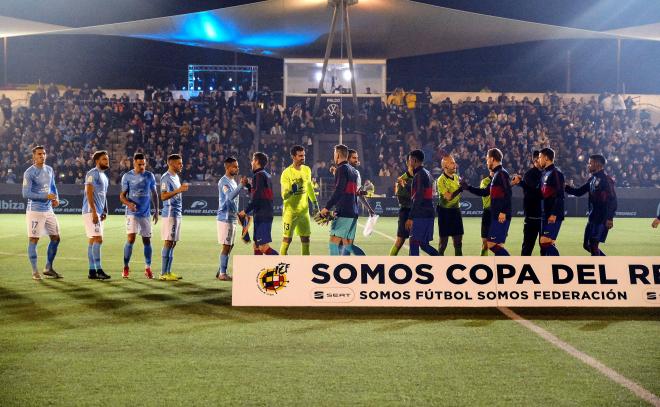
145,342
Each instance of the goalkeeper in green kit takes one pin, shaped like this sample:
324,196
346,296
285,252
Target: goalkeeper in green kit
297,191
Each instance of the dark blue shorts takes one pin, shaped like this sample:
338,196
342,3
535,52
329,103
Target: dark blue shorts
422,230
486,218
595,232
450,222
401,226
261,234
498,231
550,230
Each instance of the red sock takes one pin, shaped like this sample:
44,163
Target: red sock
257,252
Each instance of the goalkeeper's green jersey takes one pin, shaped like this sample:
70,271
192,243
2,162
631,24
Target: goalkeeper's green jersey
445,184
484,184
296,202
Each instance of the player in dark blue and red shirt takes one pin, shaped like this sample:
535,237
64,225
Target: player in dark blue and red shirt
602,204
261,204
552,191
500,202
421,218
345,201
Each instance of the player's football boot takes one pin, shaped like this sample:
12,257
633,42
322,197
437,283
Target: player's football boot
51,273
148,274
100,275
168,277
224,277
178,277
125,273
36,275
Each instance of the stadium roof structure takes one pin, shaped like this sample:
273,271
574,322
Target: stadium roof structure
383,29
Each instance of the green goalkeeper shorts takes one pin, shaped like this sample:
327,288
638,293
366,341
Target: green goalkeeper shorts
298,222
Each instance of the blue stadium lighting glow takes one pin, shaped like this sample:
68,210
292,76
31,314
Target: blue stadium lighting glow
276,40
196,29
205,27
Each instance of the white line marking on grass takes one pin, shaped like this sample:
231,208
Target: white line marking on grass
611,374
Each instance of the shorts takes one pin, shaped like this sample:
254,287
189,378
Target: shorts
344,228
41,223
401,226
450,222
299,223
261,233
422,230
93,229
170,228
485,223
497,231
595,232
138,225
550,230
226,232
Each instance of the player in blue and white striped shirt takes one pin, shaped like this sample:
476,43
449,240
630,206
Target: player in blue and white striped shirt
138,192
170,193
228,191
95,210
40,191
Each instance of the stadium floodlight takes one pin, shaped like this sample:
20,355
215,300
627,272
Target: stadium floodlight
318,75
347,75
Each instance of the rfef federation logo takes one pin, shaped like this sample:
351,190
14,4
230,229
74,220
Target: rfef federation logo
272,280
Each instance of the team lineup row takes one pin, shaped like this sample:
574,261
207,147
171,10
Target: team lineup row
543,186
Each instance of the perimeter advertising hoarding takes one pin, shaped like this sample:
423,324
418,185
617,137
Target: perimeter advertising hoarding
383,281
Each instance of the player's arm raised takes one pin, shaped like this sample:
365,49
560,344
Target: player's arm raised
256,191
577,191
476,190
165,195
340,185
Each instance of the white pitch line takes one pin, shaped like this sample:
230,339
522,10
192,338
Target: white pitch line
610,373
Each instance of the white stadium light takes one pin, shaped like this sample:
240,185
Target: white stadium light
347,75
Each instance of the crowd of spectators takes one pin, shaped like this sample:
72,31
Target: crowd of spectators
607,124
208,127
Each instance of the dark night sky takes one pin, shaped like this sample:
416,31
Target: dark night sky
121,62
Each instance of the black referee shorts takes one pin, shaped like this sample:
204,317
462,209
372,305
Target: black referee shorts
401,228
450,221
485,223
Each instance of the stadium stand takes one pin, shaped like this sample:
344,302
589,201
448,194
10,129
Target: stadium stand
208,127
